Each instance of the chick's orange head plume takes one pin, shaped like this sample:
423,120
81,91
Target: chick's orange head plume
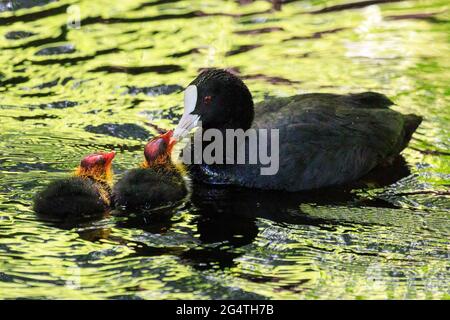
100,159
159,147
97,166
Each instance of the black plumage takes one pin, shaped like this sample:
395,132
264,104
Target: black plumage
324,139
86,194
71,197
149,188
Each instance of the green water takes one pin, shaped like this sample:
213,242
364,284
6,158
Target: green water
67,91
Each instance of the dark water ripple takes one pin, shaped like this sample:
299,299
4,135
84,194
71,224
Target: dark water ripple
155,90
15,35
64,49
123,130
138,70
28,17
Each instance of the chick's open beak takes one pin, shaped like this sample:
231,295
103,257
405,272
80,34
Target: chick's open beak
169,139
109,156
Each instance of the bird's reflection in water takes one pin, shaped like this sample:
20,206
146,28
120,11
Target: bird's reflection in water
226,217
154,221
86,226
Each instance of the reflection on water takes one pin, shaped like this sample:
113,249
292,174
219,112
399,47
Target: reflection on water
117,80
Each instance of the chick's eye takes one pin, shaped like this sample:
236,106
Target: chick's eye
207,100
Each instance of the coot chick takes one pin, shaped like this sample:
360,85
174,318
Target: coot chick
86,194
157,183
324,139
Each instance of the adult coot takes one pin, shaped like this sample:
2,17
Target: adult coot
324,139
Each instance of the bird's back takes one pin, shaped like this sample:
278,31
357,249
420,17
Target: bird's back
324,139
148,189
70,198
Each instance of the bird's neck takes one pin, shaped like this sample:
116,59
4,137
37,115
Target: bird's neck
101,175
160,164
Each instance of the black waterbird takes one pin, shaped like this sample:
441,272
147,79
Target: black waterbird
324,139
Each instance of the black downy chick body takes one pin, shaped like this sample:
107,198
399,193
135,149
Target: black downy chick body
157,183
87,193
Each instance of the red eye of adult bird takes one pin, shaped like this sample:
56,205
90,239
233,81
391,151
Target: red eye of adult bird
207,100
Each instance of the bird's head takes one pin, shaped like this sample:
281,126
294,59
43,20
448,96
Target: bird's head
216,99
158,149
97,166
